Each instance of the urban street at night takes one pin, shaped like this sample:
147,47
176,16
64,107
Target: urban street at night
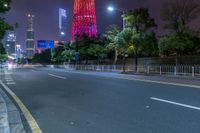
100,66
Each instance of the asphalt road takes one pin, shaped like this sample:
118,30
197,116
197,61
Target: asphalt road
67,102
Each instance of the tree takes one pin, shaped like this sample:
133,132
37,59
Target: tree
3,55
44,57
111,33
140,21
124,41
4,7
178,14
56,54
174,44
69,51
92,48
149,45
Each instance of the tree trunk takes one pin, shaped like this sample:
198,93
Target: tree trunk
124,63
136,61
116,57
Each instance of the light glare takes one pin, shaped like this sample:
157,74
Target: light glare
110,8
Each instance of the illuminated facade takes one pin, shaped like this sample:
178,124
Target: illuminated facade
62,24
84,18
10,42
30,41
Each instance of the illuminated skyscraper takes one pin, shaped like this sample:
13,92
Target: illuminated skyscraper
30,42
62,24
84,18
18,52
10,42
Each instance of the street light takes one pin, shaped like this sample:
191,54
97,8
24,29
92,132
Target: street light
5,5
112,9
62,33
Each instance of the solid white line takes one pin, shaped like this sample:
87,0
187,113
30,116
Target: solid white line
175,103
30,120
60,77
33,70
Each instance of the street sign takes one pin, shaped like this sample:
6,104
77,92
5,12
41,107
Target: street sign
46,44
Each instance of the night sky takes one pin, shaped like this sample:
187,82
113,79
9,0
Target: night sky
46,12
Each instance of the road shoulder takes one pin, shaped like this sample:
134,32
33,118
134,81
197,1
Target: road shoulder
12,120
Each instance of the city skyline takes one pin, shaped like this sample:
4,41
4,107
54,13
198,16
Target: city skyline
46,15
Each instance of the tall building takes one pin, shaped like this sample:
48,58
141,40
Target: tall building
84,18
62,24
10,42
18,52
30,37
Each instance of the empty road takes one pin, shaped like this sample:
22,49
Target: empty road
87,102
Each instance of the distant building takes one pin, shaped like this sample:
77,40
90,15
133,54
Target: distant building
10,42
62,24
18,51
30,37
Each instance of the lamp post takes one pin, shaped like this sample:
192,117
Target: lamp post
112,9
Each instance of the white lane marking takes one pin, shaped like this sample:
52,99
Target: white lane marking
56,76
10,83
9,80
175,103
33,70
31,121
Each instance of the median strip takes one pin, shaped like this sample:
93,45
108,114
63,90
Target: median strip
175,103
60,77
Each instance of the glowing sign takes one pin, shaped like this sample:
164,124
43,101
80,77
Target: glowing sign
46,44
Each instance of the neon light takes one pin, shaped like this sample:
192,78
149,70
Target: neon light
84,18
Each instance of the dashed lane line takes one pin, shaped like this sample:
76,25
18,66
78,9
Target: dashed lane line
60,77
175,103
31,121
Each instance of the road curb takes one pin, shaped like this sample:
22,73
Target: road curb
13,116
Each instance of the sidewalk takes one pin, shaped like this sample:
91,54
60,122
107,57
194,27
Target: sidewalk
10,120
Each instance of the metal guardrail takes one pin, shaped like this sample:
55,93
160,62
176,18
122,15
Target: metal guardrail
183,70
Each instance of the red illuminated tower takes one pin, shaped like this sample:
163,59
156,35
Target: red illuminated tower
84,18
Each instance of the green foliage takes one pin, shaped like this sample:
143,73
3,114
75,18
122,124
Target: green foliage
56,54
4,6
149,45
139,19
143,41
185,45
3,55
111,32
124,39
3,27
92,48
2,49
43,58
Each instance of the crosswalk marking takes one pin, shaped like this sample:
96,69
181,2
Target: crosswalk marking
10,83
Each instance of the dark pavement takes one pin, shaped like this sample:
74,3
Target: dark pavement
67,102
